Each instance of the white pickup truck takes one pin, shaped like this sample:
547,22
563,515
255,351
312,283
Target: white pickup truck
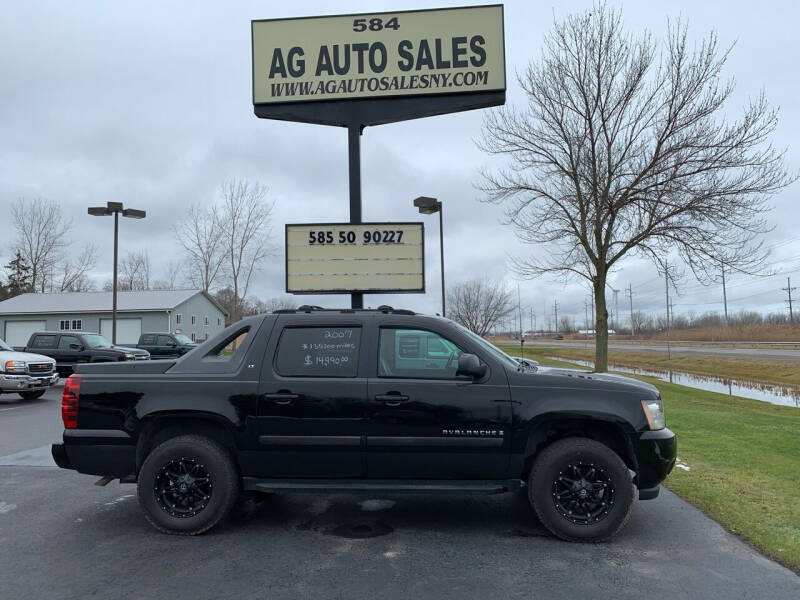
26,374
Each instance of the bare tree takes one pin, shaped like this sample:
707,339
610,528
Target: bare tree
73,273
478,304
200,235
244,218
173,271
279,303
134,271
41,237
618,152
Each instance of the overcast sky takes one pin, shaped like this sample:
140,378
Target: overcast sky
149,103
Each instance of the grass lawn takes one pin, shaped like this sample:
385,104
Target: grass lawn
744,461
769,371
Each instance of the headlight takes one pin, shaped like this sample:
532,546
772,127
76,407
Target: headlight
15,366
654,411
128,356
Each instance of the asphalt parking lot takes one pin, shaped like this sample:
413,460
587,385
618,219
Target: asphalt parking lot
62,537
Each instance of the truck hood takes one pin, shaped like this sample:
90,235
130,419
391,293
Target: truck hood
6,355
589,376
125,349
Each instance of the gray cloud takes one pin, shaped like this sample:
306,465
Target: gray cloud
149,104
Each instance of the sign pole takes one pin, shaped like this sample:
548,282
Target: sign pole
354,158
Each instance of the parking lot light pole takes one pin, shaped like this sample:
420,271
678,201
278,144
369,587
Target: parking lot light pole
115,208
428,206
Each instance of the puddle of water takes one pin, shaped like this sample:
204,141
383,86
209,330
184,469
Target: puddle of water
361,530
784,395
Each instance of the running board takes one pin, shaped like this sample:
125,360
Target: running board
387,486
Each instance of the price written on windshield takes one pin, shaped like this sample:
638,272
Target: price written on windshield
378,236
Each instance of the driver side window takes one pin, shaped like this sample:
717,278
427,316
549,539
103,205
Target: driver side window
416,353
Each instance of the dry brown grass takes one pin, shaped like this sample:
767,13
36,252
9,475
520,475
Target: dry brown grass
762,332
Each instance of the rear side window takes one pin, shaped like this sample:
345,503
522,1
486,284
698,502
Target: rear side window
318,352
147,339
44,341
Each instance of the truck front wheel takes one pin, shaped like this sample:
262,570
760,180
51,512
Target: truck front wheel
187,485
581,490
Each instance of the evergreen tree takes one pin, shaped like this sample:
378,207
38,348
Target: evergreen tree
19,276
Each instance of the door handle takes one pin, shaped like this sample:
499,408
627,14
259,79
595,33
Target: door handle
392,399
282,397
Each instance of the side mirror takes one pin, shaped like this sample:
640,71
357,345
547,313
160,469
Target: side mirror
470,365
77,347
172,343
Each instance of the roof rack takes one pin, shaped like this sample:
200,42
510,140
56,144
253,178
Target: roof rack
311,308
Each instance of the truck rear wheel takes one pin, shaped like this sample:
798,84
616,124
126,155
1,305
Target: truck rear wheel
581,490
187,485
32,395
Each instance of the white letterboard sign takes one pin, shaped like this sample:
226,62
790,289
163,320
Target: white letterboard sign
328,258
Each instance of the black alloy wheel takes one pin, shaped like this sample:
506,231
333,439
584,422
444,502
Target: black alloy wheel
581,490
583,493
188,484
183,487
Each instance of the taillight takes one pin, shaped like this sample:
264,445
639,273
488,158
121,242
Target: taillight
69,401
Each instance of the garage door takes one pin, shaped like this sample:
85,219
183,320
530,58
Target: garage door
128,331
19,332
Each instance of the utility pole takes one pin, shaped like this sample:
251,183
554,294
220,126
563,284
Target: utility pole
630,297
724,294
615,317
586,315
519,312
789,289
555,311
666,288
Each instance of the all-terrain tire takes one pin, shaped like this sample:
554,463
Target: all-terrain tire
546,482
218,495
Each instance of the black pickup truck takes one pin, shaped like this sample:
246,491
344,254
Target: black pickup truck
74,348
373,401
165,345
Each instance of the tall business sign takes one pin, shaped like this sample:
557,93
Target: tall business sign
369,69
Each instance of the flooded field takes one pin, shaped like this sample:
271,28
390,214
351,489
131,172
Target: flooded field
785,395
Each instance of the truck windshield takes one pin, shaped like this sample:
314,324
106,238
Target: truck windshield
491,348
182,339
4,346
96,341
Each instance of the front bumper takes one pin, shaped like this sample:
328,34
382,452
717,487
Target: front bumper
26,383
656,452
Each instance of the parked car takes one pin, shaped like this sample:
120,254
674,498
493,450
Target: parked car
24,373
165,345
74,348
377,401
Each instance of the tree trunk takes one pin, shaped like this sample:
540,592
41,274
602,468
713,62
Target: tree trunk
601,323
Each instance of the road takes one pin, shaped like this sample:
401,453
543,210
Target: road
63,538
762,353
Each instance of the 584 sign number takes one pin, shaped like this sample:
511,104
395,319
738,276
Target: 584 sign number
375,24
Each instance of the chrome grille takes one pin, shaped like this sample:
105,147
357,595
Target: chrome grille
140,357
40,368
